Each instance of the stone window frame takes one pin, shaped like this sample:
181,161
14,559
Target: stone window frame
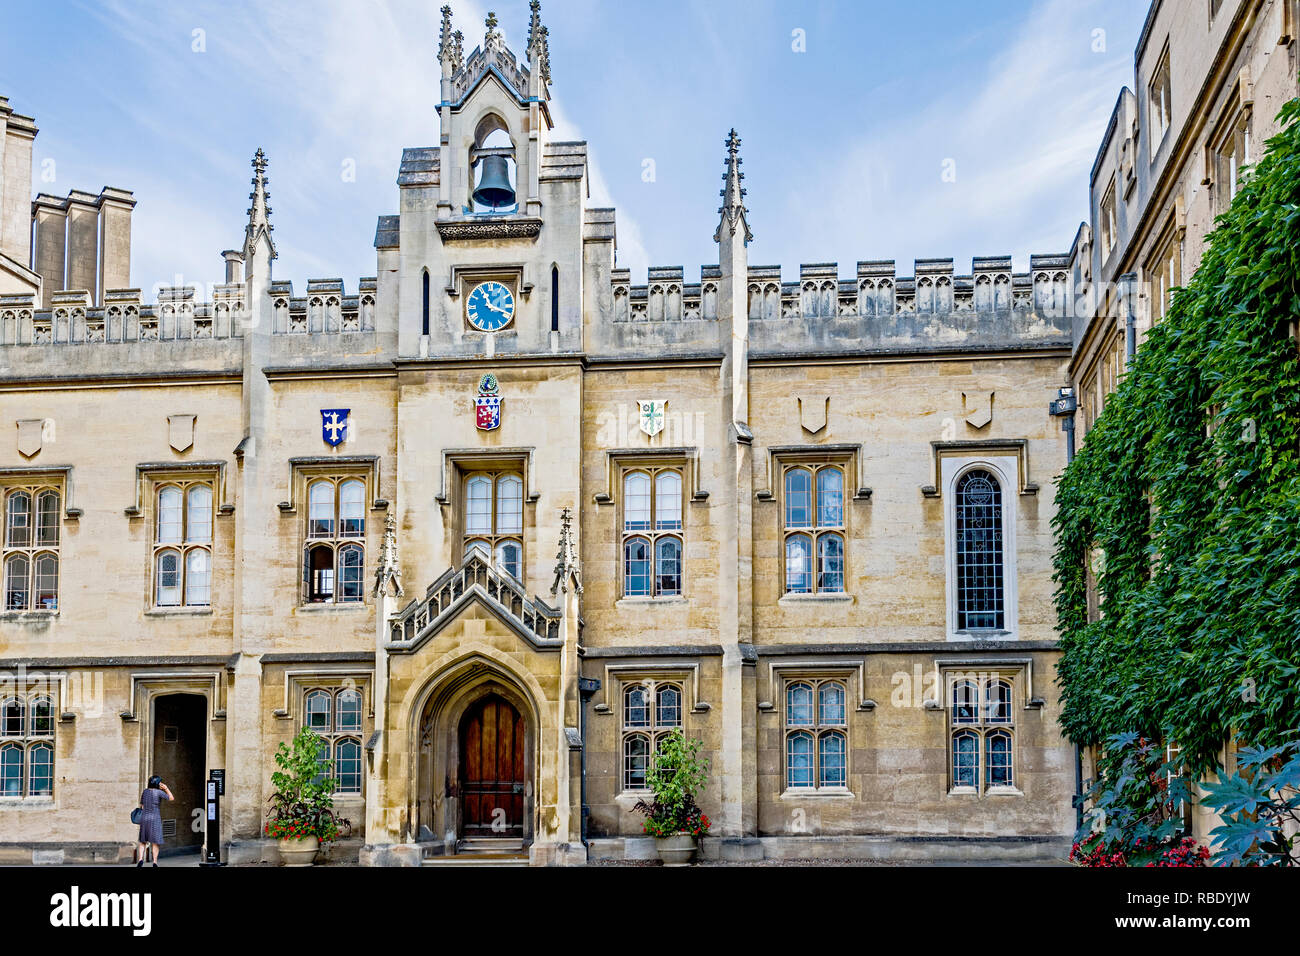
981,725
1230,144
1164,268
1159,104
26,740
654,730
1108,221
336,542
653,468
1005,466
37,490
185,482
818,729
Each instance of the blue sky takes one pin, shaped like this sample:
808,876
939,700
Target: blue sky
845,143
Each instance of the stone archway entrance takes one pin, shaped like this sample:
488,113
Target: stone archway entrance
180,735
491,772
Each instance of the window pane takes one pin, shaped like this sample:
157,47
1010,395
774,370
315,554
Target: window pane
830,498
322,760
668,566
799,760
320,510
11,770
40,780
965,759
999,759
636,567
11,717
347,766
47,582
482,547
831,768
352,509
799,705
198,523
798,498
510,505
830,563
965,703
47,520
320,574
668,501
636,502
668,710
636,707
198,578
351,572
168,579
318,711
999,702
349,711
42,719
636,757
169,515
509,554
831,704
16,575
798,564
18,520
478,505
979,551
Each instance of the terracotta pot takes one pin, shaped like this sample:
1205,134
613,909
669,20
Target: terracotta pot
676,850
300,851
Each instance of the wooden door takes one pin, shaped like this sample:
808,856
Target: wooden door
492,769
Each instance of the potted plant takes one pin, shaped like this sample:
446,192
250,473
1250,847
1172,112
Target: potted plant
302,813
676,774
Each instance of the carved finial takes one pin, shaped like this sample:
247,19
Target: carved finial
491,36
388,567
733,196
259,213
566,558
537,42
450,51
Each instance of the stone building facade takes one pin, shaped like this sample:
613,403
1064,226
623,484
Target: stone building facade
495,519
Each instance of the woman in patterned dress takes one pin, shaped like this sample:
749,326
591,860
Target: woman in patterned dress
151,833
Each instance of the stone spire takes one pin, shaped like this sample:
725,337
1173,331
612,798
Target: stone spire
539,56
388,569
566,558
733,196
259,213
450,49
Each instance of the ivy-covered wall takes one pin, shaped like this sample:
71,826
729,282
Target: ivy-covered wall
1189,485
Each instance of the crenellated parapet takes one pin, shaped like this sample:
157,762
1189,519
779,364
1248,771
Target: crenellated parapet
666,296
325,308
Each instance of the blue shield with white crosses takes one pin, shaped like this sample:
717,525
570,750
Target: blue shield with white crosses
334,425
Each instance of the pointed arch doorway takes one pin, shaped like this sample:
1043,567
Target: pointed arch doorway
491,771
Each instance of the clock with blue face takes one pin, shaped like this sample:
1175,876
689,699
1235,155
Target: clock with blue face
490,306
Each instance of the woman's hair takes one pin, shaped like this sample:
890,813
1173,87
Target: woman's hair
155,782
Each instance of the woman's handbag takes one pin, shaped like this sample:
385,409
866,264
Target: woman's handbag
136,814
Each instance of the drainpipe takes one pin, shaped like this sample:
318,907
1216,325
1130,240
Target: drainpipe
587,687
1064,407
1127,292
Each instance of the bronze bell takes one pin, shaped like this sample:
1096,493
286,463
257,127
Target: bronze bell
494,189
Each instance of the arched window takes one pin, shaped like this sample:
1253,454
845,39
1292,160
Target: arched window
167,578
182,556
11,770
318,711
349,711
40,774
651,711
816,741
652,526
668,501
636,501
335,556
18,520
494,519
424,304
814,529
636,567
30,558
41,723
980,600
47,519
982,732
668,566
347,765
555,299
335,716
26,746
13,711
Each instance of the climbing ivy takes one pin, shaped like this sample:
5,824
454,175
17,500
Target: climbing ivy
1189,486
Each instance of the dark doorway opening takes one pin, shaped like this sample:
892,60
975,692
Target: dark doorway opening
180,743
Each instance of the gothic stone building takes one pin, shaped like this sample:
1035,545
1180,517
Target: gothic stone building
495,519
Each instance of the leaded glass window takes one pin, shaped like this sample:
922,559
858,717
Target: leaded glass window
980,598
816,741
814,529
651,711
652,532
981,717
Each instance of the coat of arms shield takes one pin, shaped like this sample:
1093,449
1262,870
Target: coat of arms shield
651,418
487,405
334,425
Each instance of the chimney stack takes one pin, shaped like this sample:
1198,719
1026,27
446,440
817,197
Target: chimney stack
115,207
16,136
234,266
